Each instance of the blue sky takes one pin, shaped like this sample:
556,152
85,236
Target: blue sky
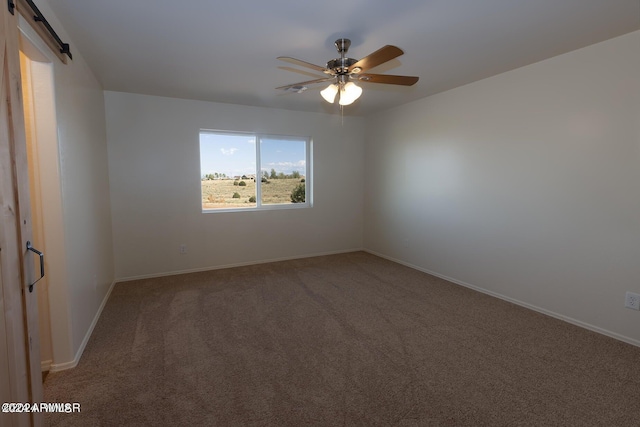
234,154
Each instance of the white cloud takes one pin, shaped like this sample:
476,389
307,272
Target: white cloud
288,165
228,152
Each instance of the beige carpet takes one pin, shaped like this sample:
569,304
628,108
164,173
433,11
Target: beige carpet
344,340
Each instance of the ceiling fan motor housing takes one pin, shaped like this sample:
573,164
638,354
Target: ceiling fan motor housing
340,65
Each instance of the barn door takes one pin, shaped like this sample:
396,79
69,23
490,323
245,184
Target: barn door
21,377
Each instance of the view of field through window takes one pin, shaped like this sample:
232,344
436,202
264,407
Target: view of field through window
231,180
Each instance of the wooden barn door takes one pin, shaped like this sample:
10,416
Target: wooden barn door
20,374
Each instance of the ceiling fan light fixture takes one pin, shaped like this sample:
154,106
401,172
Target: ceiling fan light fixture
349,94
329,93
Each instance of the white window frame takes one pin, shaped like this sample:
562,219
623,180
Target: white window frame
308,203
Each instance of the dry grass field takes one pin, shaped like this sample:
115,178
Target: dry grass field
218,193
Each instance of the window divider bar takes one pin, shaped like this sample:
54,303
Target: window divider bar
258,171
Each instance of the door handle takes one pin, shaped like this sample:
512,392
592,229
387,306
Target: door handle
41,255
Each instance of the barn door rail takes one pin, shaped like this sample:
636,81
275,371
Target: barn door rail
39,17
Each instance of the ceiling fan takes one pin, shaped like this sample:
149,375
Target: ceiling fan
344,71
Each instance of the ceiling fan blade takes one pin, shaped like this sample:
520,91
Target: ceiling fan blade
388,79
310,82
303,64
380,56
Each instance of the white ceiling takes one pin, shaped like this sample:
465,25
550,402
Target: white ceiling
226,51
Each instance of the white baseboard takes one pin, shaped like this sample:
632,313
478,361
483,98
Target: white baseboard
73,363
45,365
559,316
239,264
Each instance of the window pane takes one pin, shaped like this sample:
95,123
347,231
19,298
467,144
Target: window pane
283,167
227,170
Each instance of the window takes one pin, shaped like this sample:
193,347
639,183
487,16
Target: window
252,171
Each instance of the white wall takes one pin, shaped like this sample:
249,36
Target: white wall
85,228
525,185
154,172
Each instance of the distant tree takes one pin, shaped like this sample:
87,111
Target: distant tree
235,182
281,175
273,175
298,194
265,174
242,184
295,175
236,195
